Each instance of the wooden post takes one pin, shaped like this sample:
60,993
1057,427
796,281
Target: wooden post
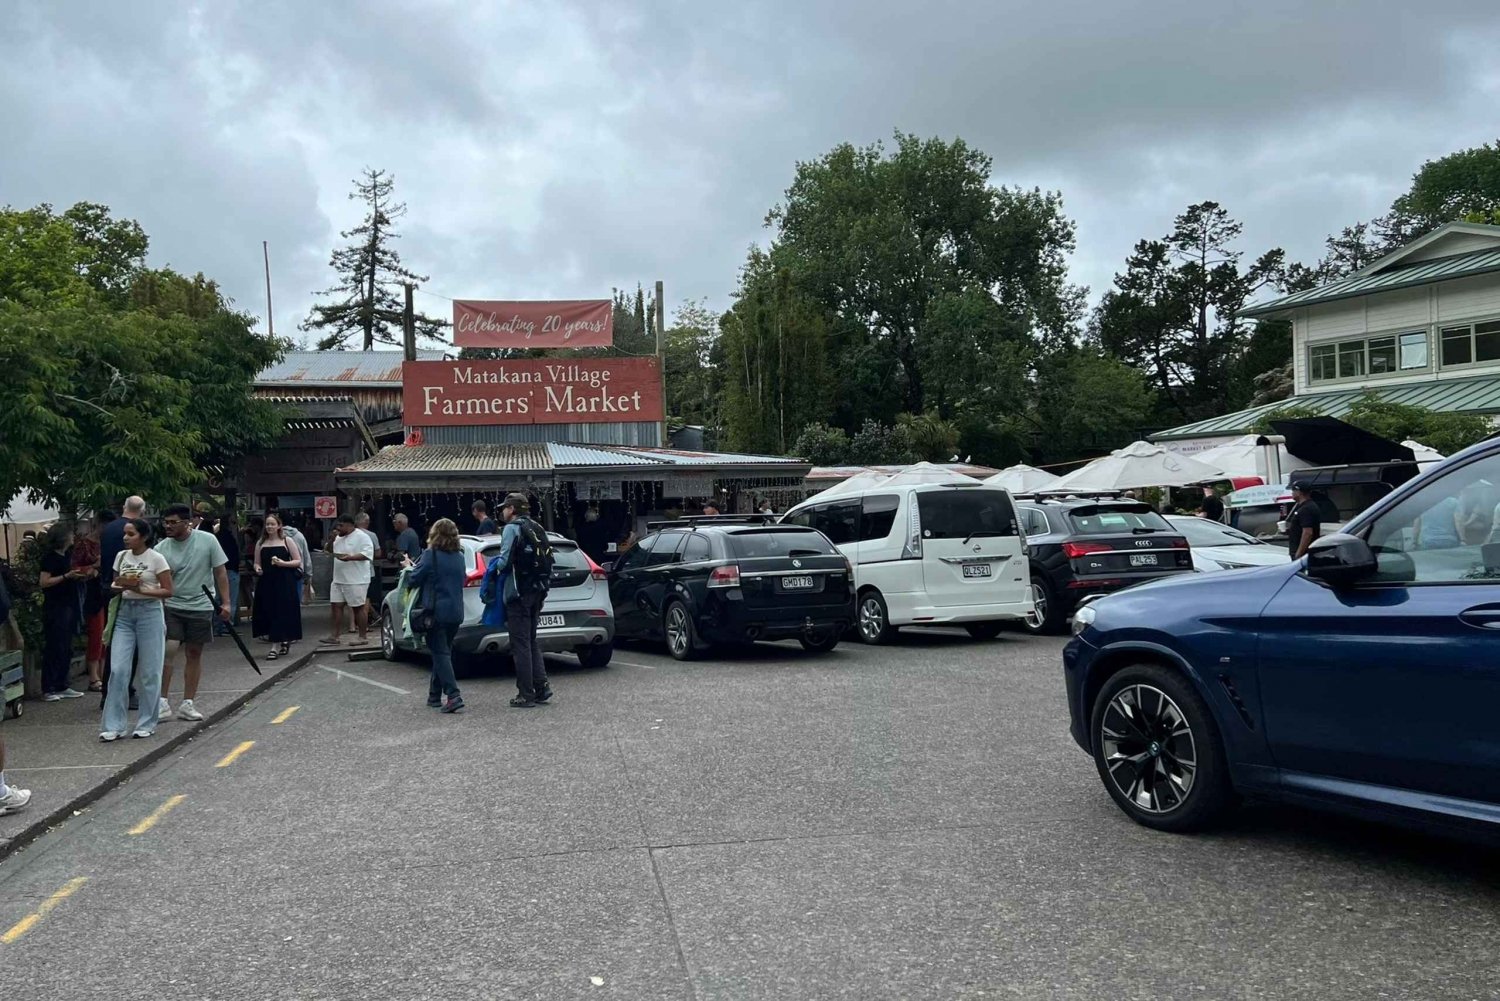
409,326
661,358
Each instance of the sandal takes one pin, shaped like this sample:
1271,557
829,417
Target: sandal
96,686
285,650
272,655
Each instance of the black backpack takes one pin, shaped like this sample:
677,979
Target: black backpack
532,559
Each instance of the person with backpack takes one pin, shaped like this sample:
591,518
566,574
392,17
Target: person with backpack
525,560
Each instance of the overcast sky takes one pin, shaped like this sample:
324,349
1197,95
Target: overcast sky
557,150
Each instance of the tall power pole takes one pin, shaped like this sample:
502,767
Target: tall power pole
265,252
661,356
409,326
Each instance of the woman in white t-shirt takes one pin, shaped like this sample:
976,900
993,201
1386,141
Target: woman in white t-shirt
142,580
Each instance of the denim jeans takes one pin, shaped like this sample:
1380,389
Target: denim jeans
140,627
521,616
440,646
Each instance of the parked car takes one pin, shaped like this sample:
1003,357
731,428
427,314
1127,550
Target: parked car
1362,677
729,580
1084,547
927,554
577,617
1218,547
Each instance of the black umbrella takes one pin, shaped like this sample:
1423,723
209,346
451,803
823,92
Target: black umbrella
235,636
1328,441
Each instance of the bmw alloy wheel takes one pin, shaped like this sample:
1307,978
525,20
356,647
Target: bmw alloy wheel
1149,751
678,635
871,619
1038,614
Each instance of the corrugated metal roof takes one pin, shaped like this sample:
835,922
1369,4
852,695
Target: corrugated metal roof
1402,276
1480,396
568,454
455,459
682,457
339,367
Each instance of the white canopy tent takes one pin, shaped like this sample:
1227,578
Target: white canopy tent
926,472
1243,458
852,485
1137,466
1022,479
1425,455
21,516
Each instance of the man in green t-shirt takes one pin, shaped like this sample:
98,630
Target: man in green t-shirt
197,561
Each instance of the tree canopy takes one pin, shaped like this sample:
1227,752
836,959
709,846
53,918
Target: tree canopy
120,378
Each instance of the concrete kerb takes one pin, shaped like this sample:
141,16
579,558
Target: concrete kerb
46,822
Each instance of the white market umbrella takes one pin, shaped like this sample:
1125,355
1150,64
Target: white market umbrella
926,472
1022,479
1135,467
853,485
1425,455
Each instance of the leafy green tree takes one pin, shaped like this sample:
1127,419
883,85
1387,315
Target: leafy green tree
367,301
692,370
1462,186
928,437
1446,432
877,444
1087,402
1174,311
822,445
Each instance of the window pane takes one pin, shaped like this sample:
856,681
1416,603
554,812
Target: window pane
840,521
759,542
665,550
1486,341
879,516
1414,350
1351,359
1457,346
1445,532
696,548
960,512
1322,362
1382,355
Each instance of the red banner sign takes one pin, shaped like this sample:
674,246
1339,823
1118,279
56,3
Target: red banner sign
531,391
581,323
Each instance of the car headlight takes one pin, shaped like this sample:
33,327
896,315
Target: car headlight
1083,618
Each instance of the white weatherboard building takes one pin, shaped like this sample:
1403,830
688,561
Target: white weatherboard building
1420,326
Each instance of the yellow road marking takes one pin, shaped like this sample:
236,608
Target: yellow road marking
286,714
157,814
30,921
234,755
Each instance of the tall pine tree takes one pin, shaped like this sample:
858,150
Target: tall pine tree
369,302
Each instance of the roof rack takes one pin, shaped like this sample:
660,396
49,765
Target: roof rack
713,519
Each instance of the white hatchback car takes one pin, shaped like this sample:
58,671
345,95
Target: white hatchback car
1219,547
577,617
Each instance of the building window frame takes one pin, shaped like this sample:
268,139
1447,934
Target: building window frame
1472,340
1329,361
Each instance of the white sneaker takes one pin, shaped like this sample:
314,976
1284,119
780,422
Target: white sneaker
14,800
163,710
144,733
109,735
188,711
68,693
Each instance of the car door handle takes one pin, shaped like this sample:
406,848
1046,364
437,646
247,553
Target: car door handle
1483,616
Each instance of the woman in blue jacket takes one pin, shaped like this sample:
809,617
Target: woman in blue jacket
439,576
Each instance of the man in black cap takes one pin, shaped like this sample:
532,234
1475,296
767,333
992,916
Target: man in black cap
1304,522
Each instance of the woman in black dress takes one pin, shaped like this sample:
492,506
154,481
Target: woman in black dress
277,613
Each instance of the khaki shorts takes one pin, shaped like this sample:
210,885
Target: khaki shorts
353,595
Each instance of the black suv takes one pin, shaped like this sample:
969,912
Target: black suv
1083,547
724,579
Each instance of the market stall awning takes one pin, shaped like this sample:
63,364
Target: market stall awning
1136,466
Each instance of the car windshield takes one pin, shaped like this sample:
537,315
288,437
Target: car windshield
778,542
1201,532
1114,520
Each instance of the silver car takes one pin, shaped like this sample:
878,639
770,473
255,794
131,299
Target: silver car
577,617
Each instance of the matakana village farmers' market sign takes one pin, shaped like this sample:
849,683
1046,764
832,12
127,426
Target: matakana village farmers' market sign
574,323
531,391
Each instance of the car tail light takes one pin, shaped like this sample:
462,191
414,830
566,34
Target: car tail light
1179,543
912,550
475,577
1073,550
727,575
595,570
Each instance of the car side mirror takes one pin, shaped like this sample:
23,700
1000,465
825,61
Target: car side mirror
1340,559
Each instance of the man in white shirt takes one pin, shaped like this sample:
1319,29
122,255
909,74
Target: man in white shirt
353,561
362,522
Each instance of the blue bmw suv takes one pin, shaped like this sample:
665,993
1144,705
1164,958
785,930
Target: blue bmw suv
1364,677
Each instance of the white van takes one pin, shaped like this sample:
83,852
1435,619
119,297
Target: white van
927,554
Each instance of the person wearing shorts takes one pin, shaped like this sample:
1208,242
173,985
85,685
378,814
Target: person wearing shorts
353,562
197,562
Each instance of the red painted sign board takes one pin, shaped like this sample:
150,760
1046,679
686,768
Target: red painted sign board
574,323
531,391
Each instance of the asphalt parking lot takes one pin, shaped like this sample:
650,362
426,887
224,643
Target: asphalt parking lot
909,821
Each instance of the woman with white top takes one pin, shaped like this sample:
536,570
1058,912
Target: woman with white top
142,581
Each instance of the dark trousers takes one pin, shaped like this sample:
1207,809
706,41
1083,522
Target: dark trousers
440,646
521,616
58,629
